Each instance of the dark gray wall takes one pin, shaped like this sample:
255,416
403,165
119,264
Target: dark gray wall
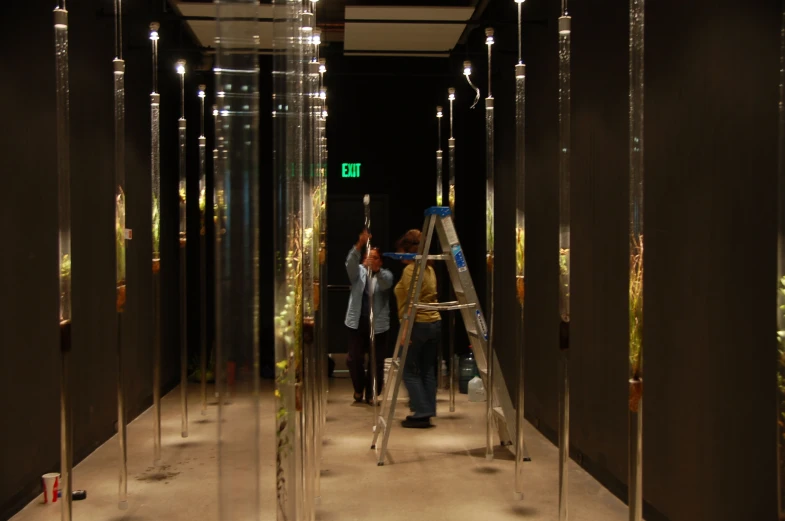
710,152
29,373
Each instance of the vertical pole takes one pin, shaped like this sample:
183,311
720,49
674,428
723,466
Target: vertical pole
564,255
155,183
781,282
287,239
183,276
439,201
62,93
636,262
520,249
489,247
203,250
451,200
120,236
237,260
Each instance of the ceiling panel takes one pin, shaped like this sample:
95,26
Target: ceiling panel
401,37
452,14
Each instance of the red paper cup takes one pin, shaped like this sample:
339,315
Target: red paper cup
51,483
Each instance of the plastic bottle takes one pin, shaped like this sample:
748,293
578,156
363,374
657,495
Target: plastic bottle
476,390
467,370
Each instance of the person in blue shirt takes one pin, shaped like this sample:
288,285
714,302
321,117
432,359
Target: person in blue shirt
358,316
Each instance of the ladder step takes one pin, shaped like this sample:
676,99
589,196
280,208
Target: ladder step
434,257
444,306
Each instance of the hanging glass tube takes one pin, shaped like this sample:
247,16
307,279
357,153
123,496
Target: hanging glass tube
322,119
316,203
155,182
203,250
439,189
635,477
489,260
439,182
181,124
781,284
451,202
120,236
237,260
564,256
309,264
62,93
287,238
220,222
520,248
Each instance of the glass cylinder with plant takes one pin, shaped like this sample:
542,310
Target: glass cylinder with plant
237,275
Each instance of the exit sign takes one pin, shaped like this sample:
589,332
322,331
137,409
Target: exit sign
350,169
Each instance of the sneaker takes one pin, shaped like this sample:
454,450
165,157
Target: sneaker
416,423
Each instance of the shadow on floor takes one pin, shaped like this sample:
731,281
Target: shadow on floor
523,511
499,453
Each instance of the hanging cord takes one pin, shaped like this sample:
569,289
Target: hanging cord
520,37
118,29
467,71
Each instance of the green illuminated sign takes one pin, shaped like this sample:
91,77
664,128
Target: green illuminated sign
350,169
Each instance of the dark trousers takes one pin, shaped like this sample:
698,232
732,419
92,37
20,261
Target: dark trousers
359,346
419,370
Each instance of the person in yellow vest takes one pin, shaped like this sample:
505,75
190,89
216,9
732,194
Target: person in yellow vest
419,371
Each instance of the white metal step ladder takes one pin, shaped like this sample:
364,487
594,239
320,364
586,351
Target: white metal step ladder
438,218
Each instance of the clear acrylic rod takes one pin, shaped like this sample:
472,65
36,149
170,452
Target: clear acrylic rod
635,483
520,259
564,433
182,191
287,239
451,202
155,219
62,94
781,283
489,254
237,261
118,65
203,205
564,256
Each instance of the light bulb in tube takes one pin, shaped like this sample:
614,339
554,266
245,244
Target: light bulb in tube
201,91
489,36
324,114
467,68
451,93
181,67
322,65
438,111
519,1
154,31
316,39
323,93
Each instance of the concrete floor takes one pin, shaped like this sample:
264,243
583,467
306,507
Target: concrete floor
435,474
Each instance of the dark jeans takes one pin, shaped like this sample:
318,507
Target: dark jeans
419,372
359,346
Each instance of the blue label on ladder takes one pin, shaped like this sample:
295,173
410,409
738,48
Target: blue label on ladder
483,326
457,254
